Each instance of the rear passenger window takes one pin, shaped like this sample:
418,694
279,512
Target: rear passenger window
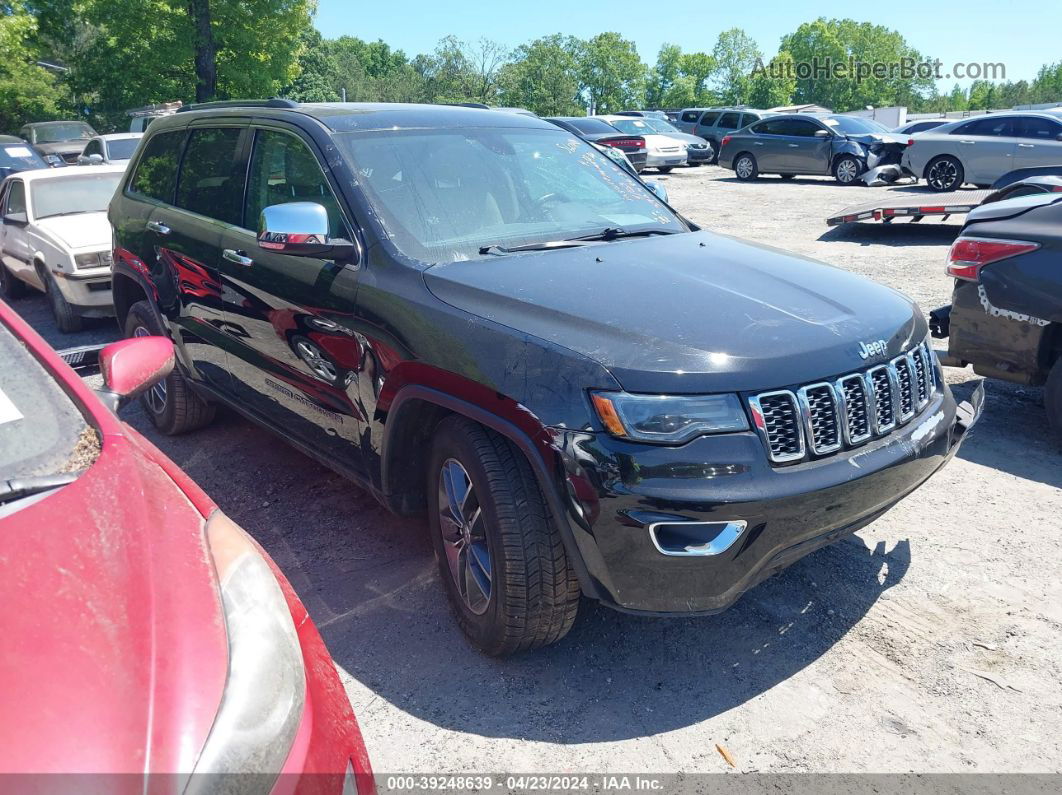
708,119
283,170
211,181
989,125
748,118
156,173
690,115
729,121
769,128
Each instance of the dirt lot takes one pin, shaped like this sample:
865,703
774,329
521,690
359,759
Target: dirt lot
930,641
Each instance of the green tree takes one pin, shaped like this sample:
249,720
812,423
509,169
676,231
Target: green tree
543,76
825,43
774,84
318,72
735,56
27,92
698,68
459,71
612,74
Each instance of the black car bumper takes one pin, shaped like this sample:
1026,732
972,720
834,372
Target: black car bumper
718,495
699,155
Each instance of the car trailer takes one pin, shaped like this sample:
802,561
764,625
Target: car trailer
893,204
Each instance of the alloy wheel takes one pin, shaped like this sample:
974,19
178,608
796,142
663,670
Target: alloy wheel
156,396
942,175
744,168
464,536
846,171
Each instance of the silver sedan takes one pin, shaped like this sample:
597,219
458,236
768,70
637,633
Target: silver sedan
981,150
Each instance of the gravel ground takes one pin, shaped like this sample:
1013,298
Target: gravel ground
929,641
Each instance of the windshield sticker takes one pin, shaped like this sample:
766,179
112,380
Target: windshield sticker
18,151
8,411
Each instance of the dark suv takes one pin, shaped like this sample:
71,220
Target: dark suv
480,318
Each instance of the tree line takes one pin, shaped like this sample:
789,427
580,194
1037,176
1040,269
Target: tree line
105,56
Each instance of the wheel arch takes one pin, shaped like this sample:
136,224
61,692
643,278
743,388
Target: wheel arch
412,417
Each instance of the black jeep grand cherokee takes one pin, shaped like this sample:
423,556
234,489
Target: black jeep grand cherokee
478,316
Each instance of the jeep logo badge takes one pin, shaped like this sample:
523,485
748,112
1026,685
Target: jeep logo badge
872,348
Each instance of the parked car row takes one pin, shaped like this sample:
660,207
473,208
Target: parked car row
60,143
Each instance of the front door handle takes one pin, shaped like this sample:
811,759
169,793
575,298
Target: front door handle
239,257
1026,146
794,146
757,143
155,226
966,142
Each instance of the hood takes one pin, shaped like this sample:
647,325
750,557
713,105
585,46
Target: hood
114,655
693,312
86,230
75,147
689,140
879,138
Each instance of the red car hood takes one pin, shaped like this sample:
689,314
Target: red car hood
114,650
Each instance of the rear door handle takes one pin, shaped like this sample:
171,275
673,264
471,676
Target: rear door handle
239,257
1027,146
966,142
757,143
794,146
155,226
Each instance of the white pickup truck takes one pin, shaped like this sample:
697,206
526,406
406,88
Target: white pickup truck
55,237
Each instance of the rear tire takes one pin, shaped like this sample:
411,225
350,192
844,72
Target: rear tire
501,558
665,169
172,405
10,286
745,167
1053,399
787,176
66,319
944,174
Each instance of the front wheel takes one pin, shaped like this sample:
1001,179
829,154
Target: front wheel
172,405
745,167
66,318
847,170
501,559
944,174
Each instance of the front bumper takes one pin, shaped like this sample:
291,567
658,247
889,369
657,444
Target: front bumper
657,159
699,155
619,491
88,290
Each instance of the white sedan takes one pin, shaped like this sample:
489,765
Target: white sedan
112,148
56,238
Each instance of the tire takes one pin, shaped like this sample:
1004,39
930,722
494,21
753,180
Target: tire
530,596
847,169
745,167
665,169
10,286
715,153
787,176
172,405
66,319
1053,399
944,173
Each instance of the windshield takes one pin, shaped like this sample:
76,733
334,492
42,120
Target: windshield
661,126
633,126
19,157
122,148
66,131
41,430
442,195
84,193
854,125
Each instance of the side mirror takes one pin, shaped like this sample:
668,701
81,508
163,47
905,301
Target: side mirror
300,229
658,189
133,366
823,134
92,160
16,219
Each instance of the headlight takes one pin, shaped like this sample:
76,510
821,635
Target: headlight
668,419
93,260
265,691
54,160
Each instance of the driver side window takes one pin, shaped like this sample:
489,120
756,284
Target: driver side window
283,170
16,199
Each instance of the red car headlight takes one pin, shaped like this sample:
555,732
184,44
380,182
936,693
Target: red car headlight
265,692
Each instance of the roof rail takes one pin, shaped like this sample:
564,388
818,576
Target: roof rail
276,102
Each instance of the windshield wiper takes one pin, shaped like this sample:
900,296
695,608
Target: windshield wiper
608,233
68,212
17,488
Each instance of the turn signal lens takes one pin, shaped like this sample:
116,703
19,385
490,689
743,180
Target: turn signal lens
608,415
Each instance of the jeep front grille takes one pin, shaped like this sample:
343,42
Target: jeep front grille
824,417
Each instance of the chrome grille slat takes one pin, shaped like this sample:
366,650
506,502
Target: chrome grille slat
825,417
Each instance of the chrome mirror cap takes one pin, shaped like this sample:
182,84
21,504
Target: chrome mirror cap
300,229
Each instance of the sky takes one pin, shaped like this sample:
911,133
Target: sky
1022,34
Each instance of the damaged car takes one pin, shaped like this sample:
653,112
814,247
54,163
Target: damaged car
1005,316
851,148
